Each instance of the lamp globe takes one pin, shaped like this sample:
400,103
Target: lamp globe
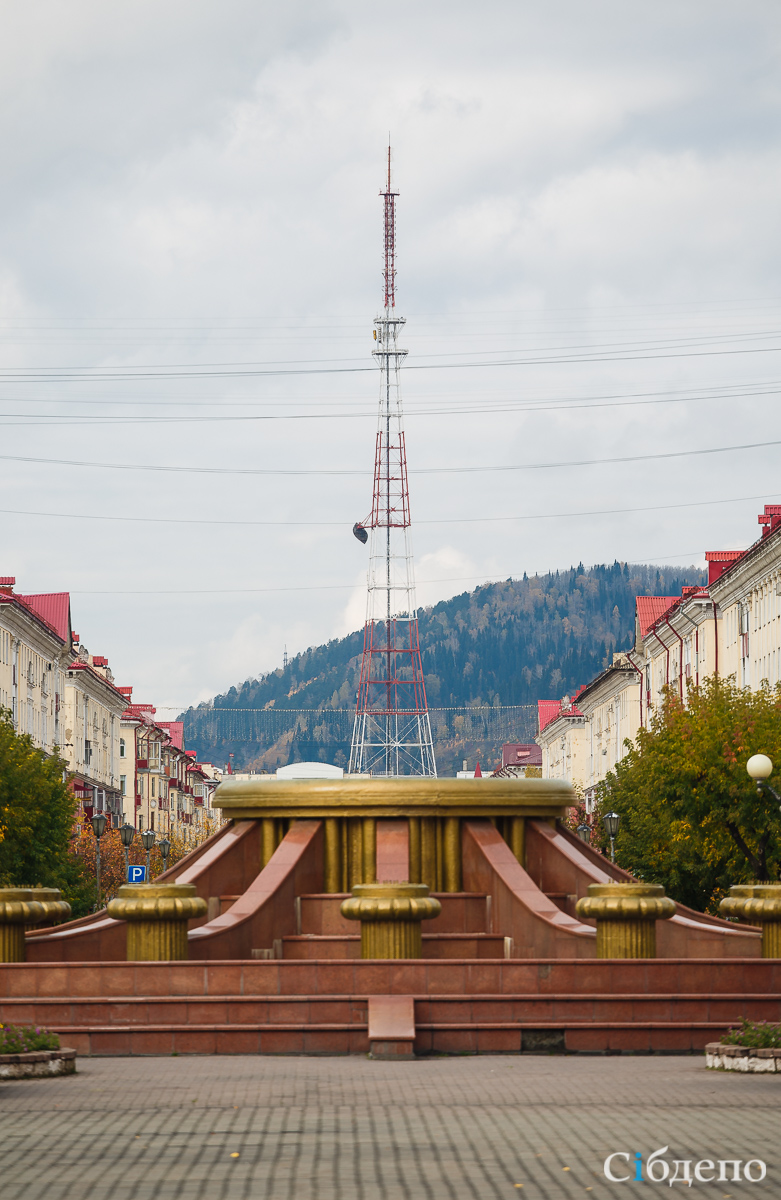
759,766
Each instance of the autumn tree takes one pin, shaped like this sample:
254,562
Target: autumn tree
112,855
691,818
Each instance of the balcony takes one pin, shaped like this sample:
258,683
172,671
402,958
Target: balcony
142,764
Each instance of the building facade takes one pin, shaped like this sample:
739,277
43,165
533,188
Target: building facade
165,788
35,648
562,739
731,627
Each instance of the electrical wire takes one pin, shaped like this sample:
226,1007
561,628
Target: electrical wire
39,420
298,471
72,375
543,516
325,587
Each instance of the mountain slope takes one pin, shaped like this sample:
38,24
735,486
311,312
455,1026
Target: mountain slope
504,644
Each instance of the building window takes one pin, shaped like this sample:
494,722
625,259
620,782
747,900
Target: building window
123,785
121,747
153,785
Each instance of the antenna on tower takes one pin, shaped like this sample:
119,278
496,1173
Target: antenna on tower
389,272
392,730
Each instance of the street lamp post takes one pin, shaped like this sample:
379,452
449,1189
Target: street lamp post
760,768
127,833
98,828
148,841
165,850
611,821
584,832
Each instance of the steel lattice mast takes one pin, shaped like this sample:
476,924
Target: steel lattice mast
392,731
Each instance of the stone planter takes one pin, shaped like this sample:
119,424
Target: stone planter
390,916
38,1064
626,916
24,908
759,904
719,1057
157,916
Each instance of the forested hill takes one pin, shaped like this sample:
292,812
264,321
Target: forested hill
509,643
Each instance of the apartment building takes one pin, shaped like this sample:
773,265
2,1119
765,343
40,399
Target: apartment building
611,706
90,718
169,789
563,741
731,627
60,695
35,648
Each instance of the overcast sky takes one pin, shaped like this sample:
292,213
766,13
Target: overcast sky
190,262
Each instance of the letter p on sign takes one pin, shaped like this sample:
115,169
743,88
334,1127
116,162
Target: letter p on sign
136,874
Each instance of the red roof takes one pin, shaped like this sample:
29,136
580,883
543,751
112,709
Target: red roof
175,730
651,608
54,608
520,754
8,597
549,710
139,712
720,561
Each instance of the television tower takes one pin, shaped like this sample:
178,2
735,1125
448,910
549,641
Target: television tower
392,731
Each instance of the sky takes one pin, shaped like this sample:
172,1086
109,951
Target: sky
190,264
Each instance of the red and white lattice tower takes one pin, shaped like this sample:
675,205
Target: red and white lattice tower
392,731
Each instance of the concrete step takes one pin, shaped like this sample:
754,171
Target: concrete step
435,945
462,912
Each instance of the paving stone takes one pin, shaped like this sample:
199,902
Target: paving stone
352,1129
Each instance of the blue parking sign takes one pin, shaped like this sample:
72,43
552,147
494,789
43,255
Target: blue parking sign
136,874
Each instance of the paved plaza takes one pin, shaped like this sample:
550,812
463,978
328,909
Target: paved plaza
338,1128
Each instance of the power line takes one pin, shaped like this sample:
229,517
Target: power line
543,516
326,587
41,419
79,375
470,470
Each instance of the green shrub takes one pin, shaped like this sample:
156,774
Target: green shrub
21,1039
758,1035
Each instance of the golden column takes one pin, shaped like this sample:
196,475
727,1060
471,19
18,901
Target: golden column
626,916
452,854
21,908
390,916
760,904
157,916
332,872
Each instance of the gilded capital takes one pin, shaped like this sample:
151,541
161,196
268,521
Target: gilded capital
157,902
760,904
391,902
625,902
390,916
31,906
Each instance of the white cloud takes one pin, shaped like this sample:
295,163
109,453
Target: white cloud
189,184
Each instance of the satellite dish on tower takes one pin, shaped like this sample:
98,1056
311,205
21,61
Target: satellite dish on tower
360,533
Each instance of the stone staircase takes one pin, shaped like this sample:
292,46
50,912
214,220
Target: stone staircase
322,1005
461,931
